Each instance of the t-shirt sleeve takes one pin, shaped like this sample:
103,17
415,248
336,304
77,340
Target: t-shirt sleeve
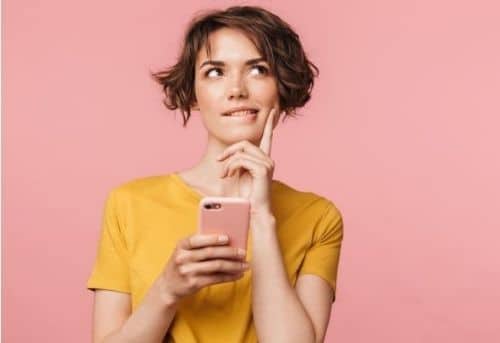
322,258
111,270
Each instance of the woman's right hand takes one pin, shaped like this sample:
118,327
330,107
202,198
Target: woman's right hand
198,261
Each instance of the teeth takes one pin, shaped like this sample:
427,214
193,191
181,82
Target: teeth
241,113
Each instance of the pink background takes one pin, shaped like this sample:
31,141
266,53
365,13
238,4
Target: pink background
401,133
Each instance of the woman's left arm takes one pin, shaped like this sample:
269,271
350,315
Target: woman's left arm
280,312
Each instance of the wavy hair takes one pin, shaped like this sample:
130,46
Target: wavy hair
275,40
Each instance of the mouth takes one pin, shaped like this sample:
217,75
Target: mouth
242,113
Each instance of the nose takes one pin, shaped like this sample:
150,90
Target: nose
237,88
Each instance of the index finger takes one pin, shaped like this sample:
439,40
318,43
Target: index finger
202,240
267,135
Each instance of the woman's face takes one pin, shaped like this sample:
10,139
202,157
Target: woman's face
234,76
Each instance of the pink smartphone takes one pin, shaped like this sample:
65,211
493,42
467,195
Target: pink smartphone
226,215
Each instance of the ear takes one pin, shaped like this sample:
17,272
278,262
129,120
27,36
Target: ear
194,106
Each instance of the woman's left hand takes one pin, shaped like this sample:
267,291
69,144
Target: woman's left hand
258,167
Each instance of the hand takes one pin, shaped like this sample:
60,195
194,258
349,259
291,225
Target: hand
257,166
198,261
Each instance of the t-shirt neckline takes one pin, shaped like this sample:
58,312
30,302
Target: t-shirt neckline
194,194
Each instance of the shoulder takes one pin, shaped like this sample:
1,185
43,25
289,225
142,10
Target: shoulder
290,199
138,187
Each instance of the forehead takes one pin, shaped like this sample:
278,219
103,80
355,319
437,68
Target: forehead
228,44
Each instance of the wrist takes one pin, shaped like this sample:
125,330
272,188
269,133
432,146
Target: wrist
162,295
262,218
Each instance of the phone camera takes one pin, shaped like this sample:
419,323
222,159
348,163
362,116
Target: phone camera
210,206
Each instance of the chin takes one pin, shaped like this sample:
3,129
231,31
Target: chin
236,136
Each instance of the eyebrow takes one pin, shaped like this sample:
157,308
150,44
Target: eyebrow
221,63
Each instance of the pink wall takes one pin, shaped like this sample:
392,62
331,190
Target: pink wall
401,133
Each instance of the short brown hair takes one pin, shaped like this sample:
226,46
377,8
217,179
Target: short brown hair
274,39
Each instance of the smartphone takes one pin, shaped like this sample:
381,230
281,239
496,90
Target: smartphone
226,215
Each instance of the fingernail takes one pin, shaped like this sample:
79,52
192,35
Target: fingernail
241,252
223,239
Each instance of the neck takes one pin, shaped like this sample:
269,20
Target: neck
206,173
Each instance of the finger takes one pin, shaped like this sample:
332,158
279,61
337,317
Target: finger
200,240
244,146
254,168
213,266
205,280
203,254
240,155
267,135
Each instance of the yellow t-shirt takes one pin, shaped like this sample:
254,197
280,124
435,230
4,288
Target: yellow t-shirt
145,218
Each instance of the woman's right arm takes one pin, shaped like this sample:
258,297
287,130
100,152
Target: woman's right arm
198,261
114,323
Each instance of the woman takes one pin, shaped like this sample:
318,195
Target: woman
156,279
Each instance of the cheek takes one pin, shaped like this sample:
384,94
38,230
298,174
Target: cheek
267,92
211,95
208,93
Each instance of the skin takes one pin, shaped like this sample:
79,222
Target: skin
236,162
231,161
220,88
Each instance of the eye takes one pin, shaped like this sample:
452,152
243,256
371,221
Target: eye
209,71
262,69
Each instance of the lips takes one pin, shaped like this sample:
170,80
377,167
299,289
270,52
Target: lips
240,112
